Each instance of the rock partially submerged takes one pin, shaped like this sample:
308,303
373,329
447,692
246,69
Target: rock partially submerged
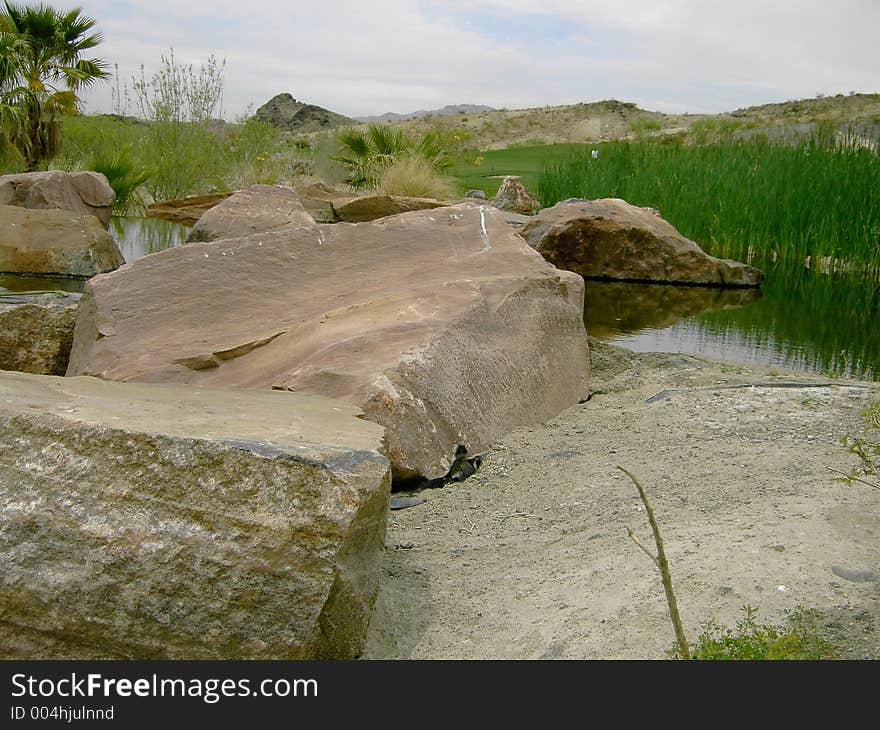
185,211
253,210
372,207
36,332
442,325
55,243
142,521
86,193
611,239
321,201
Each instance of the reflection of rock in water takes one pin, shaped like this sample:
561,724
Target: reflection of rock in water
611,308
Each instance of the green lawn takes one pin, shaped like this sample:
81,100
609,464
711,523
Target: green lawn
471,172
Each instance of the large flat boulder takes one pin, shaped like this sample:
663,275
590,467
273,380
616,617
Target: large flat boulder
444,326
253,210
86,193
36,332
611,239
142,521
55,243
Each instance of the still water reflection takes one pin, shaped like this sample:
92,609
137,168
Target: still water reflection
135,237
138,237
800,320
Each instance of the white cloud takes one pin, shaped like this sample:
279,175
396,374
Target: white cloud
399,55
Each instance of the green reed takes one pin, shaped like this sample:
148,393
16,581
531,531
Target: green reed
747,200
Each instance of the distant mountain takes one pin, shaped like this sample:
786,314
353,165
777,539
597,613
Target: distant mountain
446,111
287,113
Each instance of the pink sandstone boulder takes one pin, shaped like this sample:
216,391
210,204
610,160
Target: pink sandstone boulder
55,243
611,239
443,325
253,210
86,193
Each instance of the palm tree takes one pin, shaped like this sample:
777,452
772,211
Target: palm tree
368,154
41,70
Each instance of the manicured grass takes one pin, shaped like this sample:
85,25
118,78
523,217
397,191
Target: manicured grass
742,200
479,169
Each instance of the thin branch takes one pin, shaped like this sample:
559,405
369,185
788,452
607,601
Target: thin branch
663,565
644,549
850,477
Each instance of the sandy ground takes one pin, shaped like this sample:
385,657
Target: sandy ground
530,558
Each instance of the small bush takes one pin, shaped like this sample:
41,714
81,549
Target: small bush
800,638
867,449
415,177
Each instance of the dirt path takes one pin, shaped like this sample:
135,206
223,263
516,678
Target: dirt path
530,557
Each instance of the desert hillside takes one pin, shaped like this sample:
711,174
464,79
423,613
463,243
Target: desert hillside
602,121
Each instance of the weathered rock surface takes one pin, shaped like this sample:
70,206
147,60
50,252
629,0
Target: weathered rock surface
442,325
79,192
185,211
55,243
513,197
256,209
36,333
319,200
611,239
144,521
373,207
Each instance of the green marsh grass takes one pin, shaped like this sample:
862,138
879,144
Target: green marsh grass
747,200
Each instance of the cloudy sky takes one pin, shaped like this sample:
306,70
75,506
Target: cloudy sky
360,57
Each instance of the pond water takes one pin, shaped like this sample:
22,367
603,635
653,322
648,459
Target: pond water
135,237
798,320
138,237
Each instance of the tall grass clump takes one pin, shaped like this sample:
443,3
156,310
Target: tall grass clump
743,199
415,177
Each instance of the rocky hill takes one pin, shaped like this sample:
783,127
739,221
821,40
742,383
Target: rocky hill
287,113
602,121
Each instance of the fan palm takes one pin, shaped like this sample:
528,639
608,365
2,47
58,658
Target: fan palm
41,71
368,154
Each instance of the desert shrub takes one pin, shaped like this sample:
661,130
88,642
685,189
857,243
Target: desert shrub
179,100
253,154
799,638
867,448
644,127
414,176
705,131
98,136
